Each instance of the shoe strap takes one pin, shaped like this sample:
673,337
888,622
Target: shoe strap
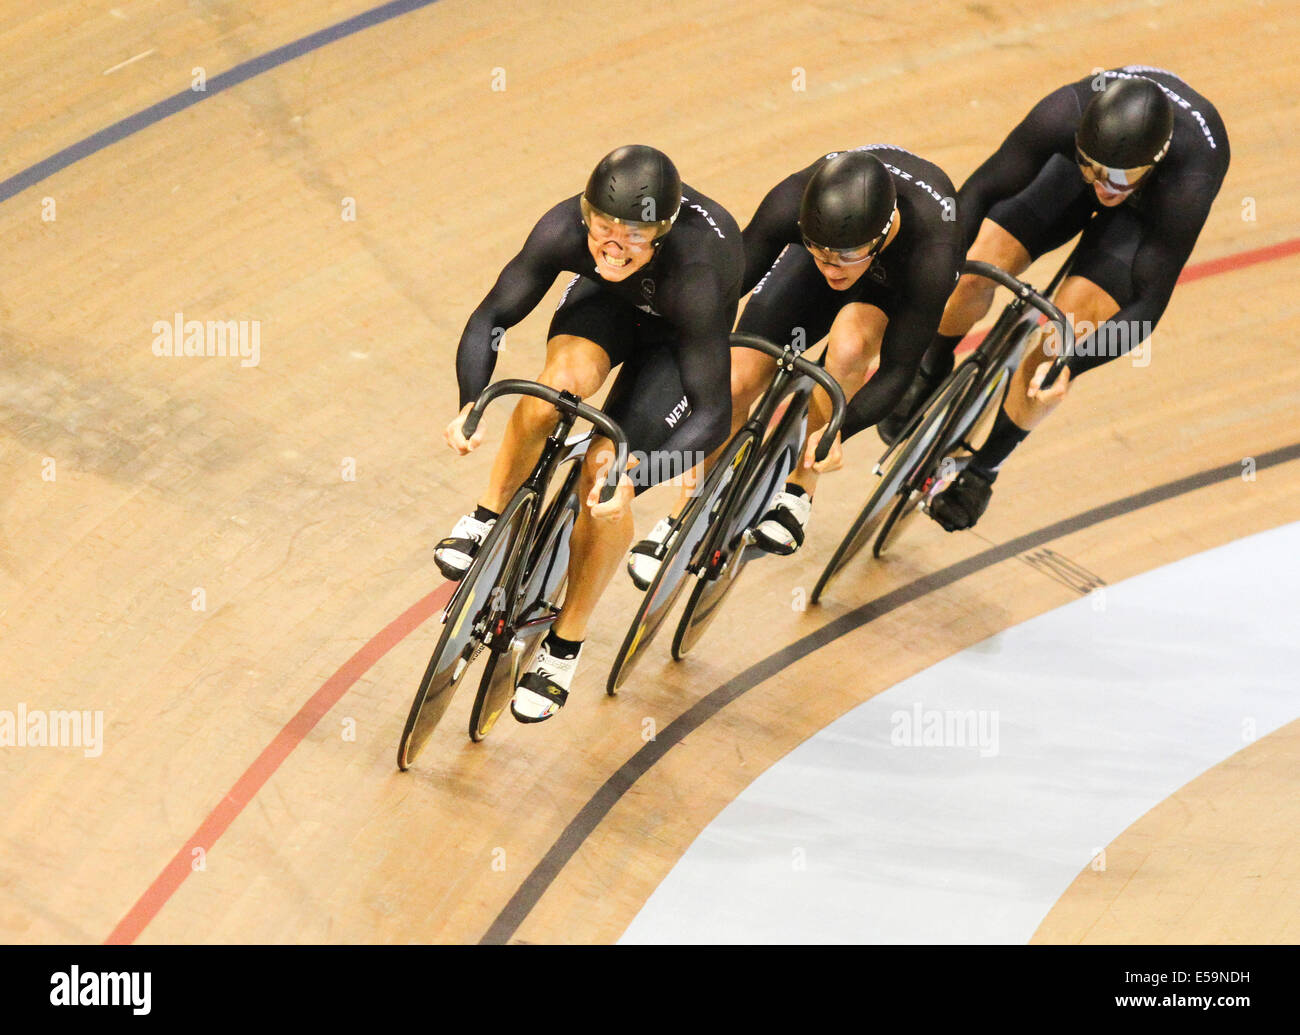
467,546
542,686
650,548
786,519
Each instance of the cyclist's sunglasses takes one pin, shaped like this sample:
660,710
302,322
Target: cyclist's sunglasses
1121,181
849,256
640,233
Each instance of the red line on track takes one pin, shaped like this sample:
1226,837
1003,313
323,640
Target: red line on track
1196,271
293,733
1242,259
333,689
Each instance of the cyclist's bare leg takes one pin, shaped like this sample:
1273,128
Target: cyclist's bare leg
574,365
1086,306
853,345
751,373
595,549
973,295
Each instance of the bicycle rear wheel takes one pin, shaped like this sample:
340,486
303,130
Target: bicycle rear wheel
669,580
729,552
901,465
539,604
465,625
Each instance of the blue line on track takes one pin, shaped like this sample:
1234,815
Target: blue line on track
179,102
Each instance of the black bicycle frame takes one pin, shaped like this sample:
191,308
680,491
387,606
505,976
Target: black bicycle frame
791,367
993,351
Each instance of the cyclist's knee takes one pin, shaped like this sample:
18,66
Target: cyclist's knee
574,377
750,374
973,296
1085,304
969,302
999,248
574,365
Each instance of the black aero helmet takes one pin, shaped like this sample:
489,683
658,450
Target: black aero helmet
636,185
1127,125
848,204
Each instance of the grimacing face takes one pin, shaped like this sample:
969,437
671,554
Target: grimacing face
618,249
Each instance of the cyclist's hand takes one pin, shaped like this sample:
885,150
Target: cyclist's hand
616,506
1050,396
458,441
834,459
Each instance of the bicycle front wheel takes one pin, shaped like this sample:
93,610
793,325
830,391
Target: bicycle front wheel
902,465
671,577
730,552
539,598
465,625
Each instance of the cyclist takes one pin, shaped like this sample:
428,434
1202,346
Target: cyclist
1133,158
658,268
862,248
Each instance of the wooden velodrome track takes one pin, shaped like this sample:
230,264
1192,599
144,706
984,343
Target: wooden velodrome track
248,618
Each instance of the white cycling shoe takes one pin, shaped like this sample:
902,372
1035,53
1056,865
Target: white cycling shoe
544,688
455,554
645,557
781,529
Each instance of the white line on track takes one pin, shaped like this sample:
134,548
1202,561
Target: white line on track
129,61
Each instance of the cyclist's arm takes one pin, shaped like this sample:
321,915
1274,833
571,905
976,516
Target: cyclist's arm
771,228
516,293
1045,131
701,313
1159,260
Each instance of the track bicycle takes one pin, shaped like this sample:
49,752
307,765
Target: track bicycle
712,538
511,594
936,443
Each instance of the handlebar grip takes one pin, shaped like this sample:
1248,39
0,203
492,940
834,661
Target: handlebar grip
1054,372
615,434
509,386
839,407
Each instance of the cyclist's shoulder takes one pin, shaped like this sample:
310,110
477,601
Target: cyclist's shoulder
560,229
704,247
704,220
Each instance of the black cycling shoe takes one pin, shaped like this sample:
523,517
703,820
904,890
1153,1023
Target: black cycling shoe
963,502
913,399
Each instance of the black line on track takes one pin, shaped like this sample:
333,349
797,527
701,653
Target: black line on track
598,807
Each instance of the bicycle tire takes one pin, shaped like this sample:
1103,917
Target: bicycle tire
903,462
663,590
538,598
778,456
462,636
997,377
